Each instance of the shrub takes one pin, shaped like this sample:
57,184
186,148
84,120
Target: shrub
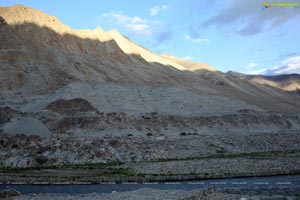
41,159
149,134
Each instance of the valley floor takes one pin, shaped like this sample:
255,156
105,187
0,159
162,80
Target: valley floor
156,194
136,159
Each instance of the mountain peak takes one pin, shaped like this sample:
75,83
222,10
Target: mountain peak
98,30
20,14
114,32
19,6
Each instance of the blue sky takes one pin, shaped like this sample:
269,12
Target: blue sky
237,35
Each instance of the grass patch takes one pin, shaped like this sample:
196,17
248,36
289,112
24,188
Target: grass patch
234,155
118,172
105,169
112,168
89,165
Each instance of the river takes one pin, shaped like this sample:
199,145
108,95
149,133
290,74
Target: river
291,182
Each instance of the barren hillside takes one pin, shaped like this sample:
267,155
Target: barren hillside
288,82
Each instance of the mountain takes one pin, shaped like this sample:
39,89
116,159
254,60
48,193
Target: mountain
68,55
287,82
44,55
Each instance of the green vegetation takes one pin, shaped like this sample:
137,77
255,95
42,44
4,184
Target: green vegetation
220,154
41,159
115,169
118,171
109,169
149,134
89,166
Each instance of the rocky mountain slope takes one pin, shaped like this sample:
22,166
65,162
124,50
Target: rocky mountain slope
50,49
288,82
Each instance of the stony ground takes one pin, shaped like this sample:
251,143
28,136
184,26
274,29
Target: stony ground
148,158
153,194
23,151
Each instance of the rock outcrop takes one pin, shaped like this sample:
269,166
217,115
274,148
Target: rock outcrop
71,106
9,193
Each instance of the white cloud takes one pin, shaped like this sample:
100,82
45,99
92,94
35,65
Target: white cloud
155,10
252,64
260,71
198,40
133,24
187,57
287,66
248,17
